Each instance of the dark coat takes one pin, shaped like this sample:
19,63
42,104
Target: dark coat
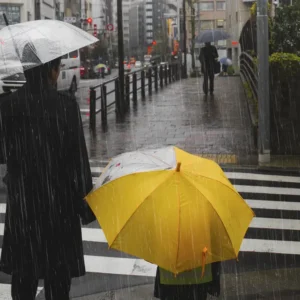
162,291
207,57
48,176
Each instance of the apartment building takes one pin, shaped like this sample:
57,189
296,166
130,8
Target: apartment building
137,41
18,11
237,14
209,14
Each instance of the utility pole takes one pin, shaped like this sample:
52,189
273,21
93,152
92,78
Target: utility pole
263,82
121,52
184,68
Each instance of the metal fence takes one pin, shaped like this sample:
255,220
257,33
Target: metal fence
149,78
248,72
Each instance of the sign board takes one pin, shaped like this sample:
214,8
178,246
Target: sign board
70,19
110,27
234,43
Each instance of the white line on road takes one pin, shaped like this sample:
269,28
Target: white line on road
267,190
97,170
276,205
262,177
5,291
272,223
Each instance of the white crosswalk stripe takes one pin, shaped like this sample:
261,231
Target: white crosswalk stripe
273,234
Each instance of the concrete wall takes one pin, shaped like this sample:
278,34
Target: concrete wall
237,14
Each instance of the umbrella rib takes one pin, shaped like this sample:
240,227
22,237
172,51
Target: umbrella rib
146,198
147,155
190,182
232,189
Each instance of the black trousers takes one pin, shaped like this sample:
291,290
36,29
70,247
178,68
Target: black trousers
208,75
56,288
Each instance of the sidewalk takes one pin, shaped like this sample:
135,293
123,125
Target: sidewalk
215,126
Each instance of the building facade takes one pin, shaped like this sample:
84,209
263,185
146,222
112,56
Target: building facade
237,14
17,11
137,42
209,14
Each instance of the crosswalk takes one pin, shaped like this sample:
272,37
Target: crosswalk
272,241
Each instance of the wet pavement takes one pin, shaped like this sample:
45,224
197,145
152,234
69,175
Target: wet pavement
182,115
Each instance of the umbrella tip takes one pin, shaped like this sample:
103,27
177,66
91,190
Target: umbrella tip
178,167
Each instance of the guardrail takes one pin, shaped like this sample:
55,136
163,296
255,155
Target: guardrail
159,76
248,72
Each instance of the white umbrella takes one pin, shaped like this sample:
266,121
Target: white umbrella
29,44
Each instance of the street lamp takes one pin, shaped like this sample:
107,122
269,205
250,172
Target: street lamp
184,67
121,55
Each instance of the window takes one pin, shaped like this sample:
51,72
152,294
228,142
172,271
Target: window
206,6
221,5
73,54
207,24
220,23
12,13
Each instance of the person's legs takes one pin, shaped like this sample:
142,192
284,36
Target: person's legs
211,82
57,287
205,82
23,288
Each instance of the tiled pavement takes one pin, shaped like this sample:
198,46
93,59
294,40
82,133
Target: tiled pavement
180,114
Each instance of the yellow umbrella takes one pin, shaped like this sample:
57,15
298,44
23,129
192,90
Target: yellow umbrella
99,66
171,208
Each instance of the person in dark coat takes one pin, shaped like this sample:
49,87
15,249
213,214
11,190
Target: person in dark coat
191,291
48,176
208,56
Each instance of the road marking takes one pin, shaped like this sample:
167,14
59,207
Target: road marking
262,177
271,246
97,170
272,223
220,158
277,205
5,291
267,190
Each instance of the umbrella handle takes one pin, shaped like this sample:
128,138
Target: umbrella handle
204,252
5,19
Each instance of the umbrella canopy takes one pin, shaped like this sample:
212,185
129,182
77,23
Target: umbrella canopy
29,44
210,36
170,208
226,61
99,66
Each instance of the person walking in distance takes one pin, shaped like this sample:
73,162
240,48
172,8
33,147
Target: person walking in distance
208,56
48,176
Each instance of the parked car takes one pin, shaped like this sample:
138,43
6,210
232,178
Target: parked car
68,79
83,72
12,82
127,68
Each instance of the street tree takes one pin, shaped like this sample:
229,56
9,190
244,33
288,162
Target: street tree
286,28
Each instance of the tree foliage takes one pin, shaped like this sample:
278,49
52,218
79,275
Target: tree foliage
286,29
